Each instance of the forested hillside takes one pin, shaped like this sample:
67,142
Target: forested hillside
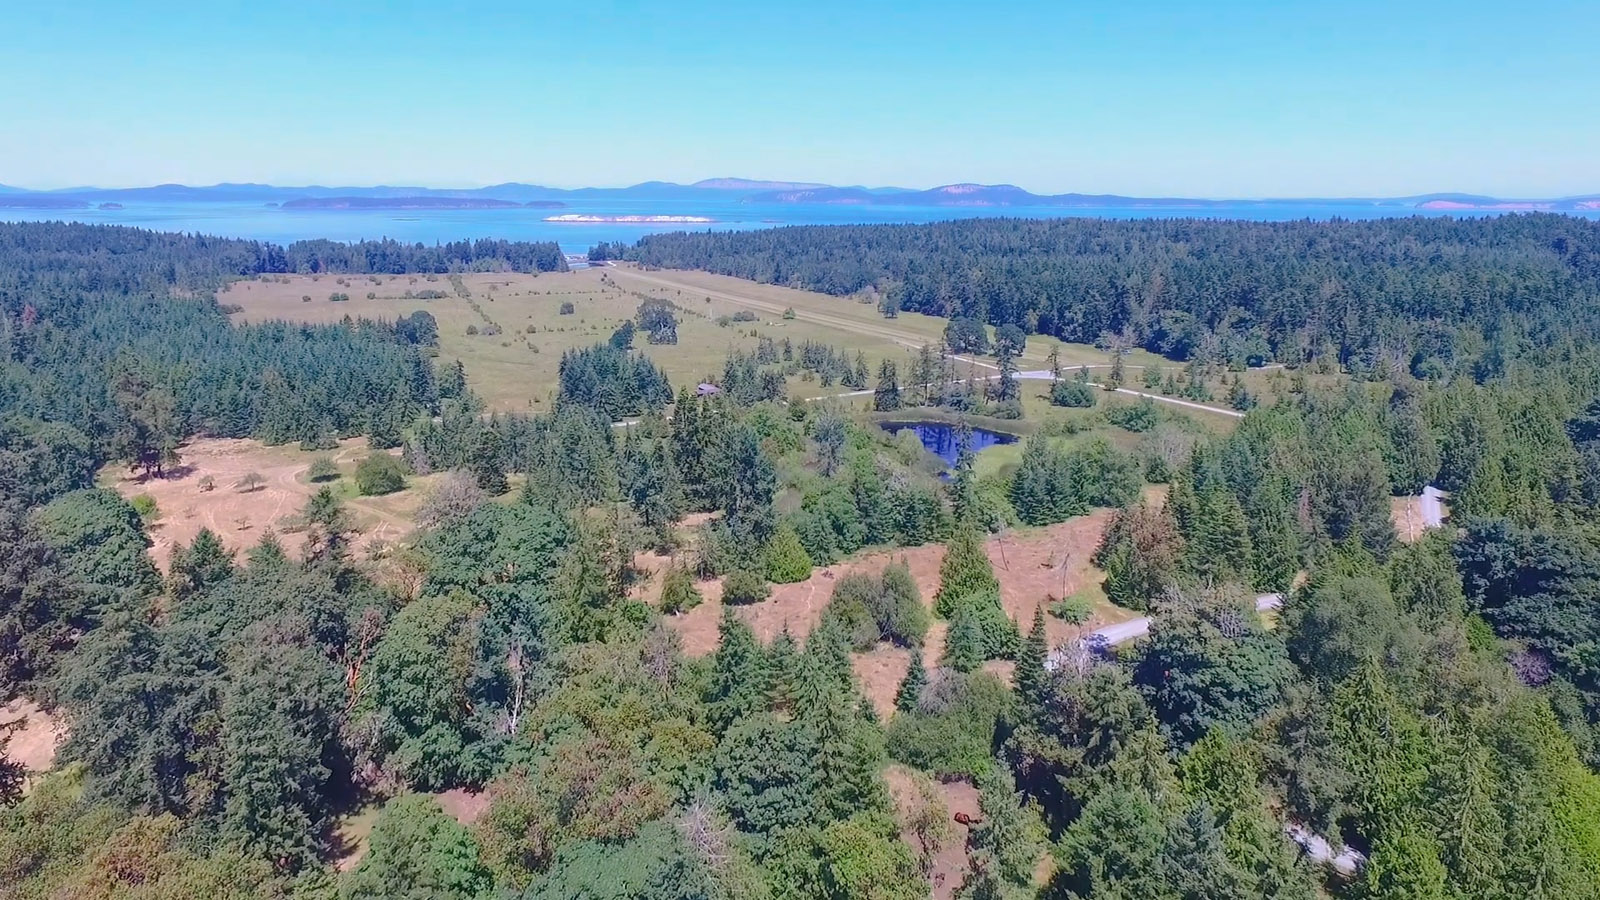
1426,296
502,705
93,343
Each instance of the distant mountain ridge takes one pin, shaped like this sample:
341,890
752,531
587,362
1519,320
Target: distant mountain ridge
745,190
425,202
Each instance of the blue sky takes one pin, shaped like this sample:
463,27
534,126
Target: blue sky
1218,98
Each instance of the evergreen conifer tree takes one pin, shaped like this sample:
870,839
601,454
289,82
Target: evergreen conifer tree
965,574
787,560
886,398
964,645
911,686
738,673
487,466
1115,378
678,593
1030,671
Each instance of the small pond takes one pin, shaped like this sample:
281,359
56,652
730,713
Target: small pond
942,439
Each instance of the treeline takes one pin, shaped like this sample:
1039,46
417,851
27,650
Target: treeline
1428,296
99,360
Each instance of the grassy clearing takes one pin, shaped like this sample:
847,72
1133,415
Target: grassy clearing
516,368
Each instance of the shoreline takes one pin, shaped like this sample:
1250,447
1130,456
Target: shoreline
590,219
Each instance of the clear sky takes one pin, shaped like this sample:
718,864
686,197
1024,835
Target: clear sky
1215,98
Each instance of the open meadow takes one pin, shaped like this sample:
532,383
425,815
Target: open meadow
510,329
242,488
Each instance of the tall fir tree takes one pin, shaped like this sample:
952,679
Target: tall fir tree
1030,671
965,573
912,686
738,673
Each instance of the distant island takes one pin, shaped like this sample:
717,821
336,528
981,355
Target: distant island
584,218
111,206
421,202
511,195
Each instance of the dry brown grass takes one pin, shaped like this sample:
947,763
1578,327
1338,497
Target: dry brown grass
1034,566
240,517
950,864
33,745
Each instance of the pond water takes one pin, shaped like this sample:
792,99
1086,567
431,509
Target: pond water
943,440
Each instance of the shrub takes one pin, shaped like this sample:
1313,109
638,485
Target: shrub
305,298
145,506
567,308
851,604
250,481
379,473
1076,609
880,608
338,297
1073,394
472,330
678,593
322,468
743,587
950,732
744,315
1138,418
208,484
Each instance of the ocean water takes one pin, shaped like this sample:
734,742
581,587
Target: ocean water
259,222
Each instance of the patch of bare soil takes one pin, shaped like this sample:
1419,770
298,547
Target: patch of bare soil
33,744
239,516
879,671
1407,515
463,805
949,864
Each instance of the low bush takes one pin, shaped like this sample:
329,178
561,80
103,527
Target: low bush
678,593
323,468
379,473
950,733
742,587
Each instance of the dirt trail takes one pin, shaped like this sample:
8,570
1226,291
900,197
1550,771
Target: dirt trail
950,863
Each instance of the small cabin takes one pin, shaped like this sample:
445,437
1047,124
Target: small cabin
707,389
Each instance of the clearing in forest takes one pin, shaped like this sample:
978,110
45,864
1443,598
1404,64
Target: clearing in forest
240,508
1035,566
33,744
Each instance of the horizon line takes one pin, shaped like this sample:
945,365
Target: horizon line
330,185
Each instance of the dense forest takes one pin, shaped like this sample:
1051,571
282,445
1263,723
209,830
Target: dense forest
1433,705
1425,296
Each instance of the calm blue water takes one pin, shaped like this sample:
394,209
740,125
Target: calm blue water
253,220
941,440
